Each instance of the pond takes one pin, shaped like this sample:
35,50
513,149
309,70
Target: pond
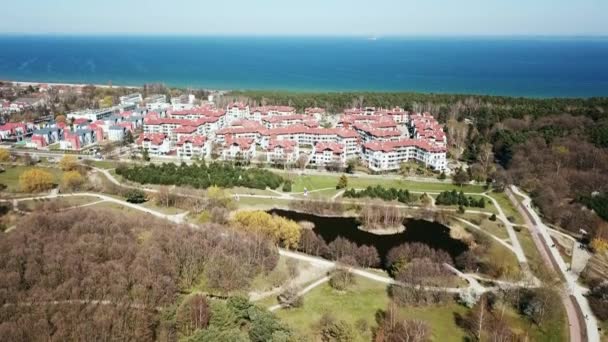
433,234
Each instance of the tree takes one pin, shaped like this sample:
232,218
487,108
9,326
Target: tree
351,165
60,118
287,186
461,177
145,155
302,162
35,180
599,245
342,182
333,330
129,137
5,155
193,314
72,180
393,329
283,231
68,163
341,279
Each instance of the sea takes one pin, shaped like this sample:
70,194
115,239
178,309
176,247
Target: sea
510,66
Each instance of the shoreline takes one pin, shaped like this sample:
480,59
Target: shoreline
304,91
57,84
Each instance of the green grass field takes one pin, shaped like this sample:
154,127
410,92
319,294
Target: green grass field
165,210
104,164
507,206
361,302
315,182
10,177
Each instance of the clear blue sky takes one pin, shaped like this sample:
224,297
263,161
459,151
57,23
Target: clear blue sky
308,17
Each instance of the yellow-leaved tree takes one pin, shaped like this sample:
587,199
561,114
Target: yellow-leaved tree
35,180
72,180
5,155
282,231
599,245
68,163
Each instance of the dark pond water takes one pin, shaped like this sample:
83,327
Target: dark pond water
432,234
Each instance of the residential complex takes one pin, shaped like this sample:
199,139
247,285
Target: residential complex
381,139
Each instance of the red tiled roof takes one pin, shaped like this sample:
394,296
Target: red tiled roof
391,146
314,110
155,138
196,140
185,129
335,148
243,143
280,109
287,145
379,133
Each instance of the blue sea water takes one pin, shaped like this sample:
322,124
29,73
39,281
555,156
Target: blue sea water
535,67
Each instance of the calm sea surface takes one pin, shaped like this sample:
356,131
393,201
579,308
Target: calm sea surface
538,67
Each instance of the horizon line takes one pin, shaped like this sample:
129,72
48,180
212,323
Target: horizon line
298,35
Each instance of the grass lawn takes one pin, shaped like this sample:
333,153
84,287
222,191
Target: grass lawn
362,302
507,206
313,182
162,209
495,228
117,207
64,202
535,260
248,191
555,330
104,164
10,177
261,203
276,277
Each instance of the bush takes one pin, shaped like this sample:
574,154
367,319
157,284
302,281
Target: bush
342,182
72,180
290,298
332,329
287,186
493,217
341,279
135,196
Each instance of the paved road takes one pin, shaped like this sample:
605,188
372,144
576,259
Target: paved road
574,295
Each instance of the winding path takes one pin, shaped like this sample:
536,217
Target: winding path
587,329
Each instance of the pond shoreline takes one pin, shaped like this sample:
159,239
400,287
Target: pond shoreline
329,228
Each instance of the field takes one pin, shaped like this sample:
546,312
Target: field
63,202
507,206
362,302
10,177
316,182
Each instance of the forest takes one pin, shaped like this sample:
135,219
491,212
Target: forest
98,275
201,176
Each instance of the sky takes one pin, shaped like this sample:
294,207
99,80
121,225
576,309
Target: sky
308,17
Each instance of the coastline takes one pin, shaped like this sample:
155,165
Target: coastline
54,84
